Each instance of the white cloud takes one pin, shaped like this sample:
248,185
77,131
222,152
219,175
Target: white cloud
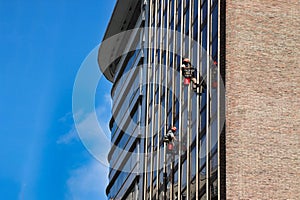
68,137
22,191
90,127
108,99
93,131
66,117
71,135
90,180
87,182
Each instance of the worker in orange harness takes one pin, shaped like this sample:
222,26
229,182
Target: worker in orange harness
169,138
215,75
189,74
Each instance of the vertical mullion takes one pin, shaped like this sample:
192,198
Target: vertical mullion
138,159
166,98
189,101
149,52
153,99
159,81
198,124
174,34
208,103
180,107
219,101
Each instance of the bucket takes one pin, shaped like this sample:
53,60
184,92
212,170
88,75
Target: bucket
186,81
214,84
170,146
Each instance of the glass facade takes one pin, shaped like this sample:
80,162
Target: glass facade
149,97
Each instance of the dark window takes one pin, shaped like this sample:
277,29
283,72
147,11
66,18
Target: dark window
196,9
187,21
195,30
204,37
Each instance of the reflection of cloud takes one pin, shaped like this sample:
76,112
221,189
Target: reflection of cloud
87,182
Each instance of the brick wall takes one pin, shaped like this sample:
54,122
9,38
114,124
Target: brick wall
262,99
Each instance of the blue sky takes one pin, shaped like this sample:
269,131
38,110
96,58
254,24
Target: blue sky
42,45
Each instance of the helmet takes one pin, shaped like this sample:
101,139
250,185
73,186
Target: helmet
173,128
186,60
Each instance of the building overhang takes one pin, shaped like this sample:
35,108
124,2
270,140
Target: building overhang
112,44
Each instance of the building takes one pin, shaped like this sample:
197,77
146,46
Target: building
257,156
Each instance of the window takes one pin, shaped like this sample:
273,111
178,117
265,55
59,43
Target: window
187,21
196,9
195,30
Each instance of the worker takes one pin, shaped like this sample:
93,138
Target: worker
170,136
189,74
188,71
215,75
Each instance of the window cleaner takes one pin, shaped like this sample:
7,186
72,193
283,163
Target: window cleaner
189,74
188,71
169,138
215,75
